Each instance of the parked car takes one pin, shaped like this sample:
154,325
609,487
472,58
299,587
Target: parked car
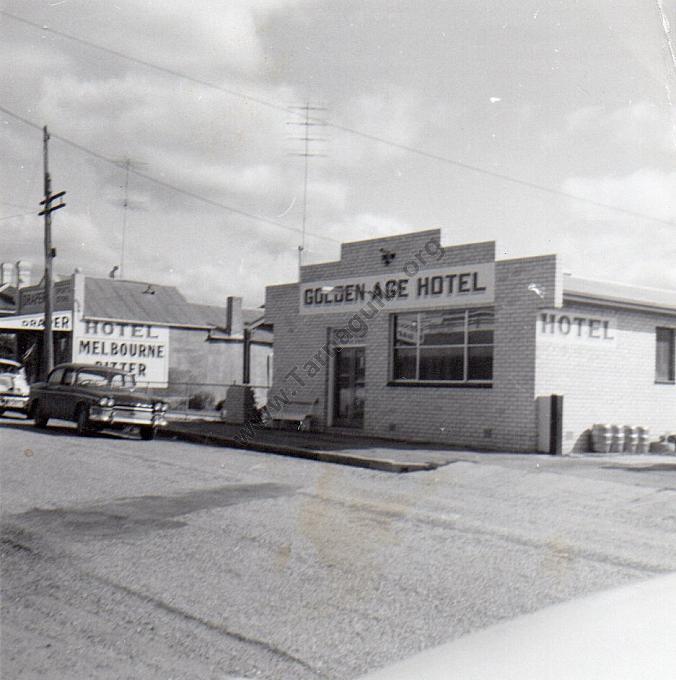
619,634
13,387
95,397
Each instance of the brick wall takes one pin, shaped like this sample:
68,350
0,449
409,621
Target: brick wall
502,417
610,382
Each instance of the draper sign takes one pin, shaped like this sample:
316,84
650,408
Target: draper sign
139,348
449,287
61,321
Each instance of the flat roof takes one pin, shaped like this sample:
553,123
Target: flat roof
577,289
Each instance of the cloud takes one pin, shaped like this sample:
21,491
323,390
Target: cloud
600,243
393,114
215,37
367,225
648,191
641,124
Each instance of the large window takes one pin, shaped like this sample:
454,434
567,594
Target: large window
449,346
664,355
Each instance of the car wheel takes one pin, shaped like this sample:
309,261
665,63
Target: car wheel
83,426
40,416
148,433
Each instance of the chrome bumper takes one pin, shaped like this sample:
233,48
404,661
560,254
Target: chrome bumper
13,401
127,416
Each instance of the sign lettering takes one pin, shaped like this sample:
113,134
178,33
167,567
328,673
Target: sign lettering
61,321
141,349
573,327
448,287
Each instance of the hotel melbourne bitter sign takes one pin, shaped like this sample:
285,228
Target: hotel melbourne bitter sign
139,348
447,287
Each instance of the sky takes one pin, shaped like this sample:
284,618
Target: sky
482,119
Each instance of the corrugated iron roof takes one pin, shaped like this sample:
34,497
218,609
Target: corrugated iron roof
619,293
152,303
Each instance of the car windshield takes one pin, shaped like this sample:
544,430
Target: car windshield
9,368
106,379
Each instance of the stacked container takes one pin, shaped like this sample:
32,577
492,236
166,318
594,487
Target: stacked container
601,438
619,438
643,443
630,439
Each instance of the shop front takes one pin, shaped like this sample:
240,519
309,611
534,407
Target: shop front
192,351
27,326
405,338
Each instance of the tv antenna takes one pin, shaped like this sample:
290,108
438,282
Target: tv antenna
128,164
308,122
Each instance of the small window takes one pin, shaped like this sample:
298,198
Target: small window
119,381
55,376
92,379
664,355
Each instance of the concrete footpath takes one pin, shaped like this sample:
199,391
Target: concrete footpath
366,452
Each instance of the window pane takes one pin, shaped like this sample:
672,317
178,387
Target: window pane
405,330
404,364
442,328
55,377
92,379
664,355
480,363
480,327
441,363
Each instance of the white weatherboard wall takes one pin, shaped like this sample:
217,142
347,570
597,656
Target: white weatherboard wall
604,365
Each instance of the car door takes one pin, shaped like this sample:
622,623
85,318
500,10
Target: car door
50,400
67,394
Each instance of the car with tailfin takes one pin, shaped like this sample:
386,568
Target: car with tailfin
95,398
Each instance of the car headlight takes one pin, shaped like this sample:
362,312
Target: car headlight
106,402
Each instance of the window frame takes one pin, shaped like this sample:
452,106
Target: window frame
466,345
670,378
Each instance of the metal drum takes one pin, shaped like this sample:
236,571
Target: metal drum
630,439
601,438
617,439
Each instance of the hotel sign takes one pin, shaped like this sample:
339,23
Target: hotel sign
141,349
572,327
447,287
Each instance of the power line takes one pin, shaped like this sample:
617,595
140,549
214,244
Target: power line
164,184
11,217
343,128
498,175
15,205
136,60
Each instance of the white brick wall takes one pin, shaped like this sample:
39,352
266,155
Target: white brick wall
611,383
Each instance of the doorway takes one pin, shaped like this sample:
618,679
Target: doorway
349,387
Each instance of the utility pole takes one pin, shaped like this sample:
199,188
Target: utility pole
307,123
50,254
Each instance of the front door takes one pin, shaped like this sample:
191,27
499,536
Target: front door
349,387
